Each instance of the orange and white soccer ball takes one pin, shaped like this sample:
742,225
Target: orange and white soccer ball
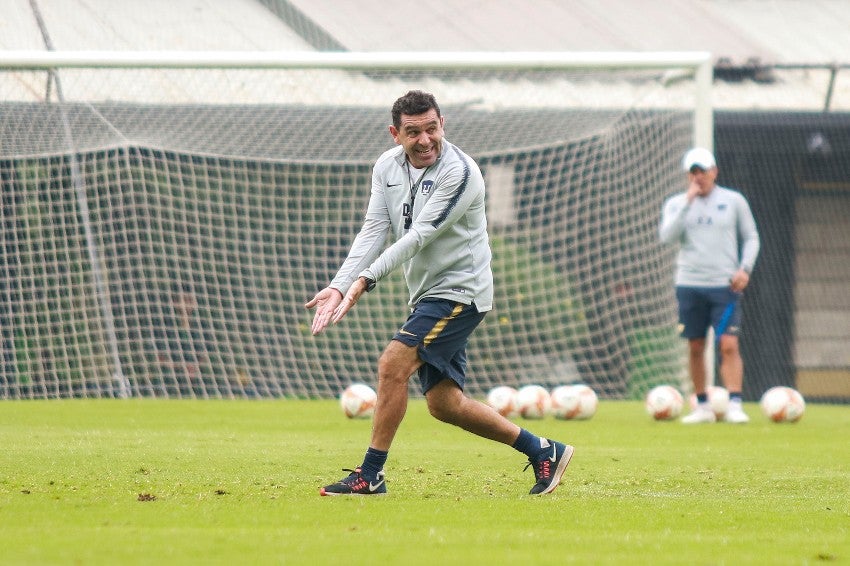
358,401
783,404
533,402
577,401
504,399
718,399
664,403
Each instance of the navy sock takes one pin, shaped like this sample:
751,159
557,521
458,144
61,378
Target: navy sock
702,397
736,396
529,444
373,463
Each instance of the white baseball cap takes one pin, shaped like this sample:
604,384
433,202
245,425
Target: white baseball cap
699,157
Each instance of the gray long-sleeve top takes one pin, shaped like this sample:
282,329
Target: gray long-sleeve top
717,236
446,250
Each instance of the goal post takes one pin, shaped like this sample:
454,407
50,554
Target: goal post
167,214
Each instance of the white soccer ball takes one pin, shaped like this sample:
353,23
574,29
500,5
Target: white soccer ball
664,403
533,402
783,404
718,398
577,401
504,399
358,401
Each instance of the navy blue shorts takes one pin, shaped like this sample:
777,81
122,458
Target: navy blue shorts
440,331
701,307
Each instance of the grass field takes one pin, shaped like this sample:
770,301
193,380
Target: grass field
236,482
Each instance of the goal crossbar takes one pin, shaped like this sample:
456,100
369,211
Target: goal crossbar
436,60
697,62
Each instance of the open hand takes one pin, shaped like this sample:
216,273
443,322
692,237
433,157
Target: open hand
350,299
326,301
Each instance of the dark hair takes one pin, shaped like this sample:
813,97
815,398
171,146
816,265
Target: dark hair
413,103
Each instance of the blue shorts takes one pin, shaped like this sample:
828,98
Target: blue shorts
701,307
440,330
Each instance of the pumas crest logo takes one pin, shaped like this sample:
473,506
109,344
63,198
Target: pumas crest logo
427,186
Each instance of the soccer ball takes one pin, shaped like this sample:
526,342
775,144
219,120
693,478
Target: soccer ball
533,402
783,404
504,399
574,402
664,403
718,398
358,401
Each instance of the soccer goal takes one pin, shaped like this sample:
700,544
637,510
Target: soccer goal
167,215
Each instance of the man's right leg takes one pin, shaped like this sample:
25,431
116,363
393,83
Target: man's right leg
702,413
694,320
696,363
397,363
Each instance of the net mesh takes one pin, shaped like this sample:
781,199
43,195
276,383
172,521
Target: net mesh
162,229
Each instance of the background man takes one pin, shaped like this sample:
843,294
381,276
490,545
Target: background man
719,244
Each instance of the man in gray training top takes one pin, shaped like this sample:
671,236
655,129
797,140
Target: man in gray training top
430,196
719,244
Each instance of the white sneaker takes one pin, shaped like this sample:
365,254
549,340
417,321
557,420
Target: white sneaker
735,414
700,415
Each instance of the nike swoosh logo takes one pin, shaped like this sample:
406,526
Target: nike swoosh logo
554,455
393,184
406,333
374,486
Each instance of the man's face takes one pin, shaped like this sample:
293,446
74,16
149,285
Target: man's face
421,136
704,178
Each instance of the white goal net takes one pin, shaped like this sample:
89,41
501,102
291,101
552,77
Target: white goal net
165,220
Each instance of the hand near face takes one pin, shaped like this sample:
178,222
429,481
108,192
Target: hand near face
693,191
700,182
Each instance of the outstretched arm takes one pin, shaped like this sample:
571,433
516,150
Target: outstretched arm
367,245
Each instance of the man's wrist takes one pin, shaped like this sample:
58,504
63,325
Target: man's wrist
370,283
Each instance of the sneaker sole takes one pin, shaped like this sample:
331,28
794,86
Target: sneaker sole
559,471
686,421
324,493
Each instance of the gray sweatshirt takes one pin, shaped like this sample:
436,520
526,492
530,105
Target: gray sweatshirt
446,250
717,235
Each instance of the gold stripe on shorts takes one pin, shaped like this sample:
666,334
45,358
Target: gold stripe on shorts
441,324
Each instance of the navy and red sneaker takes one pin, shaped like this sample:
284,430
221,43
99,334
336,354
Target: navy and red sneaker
356,484
549,467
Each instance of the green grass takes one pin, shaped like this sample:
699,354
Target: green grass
236,482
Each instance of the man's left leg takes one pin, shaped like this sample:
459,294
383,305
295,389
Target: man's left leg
732,373
726,315
447,402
